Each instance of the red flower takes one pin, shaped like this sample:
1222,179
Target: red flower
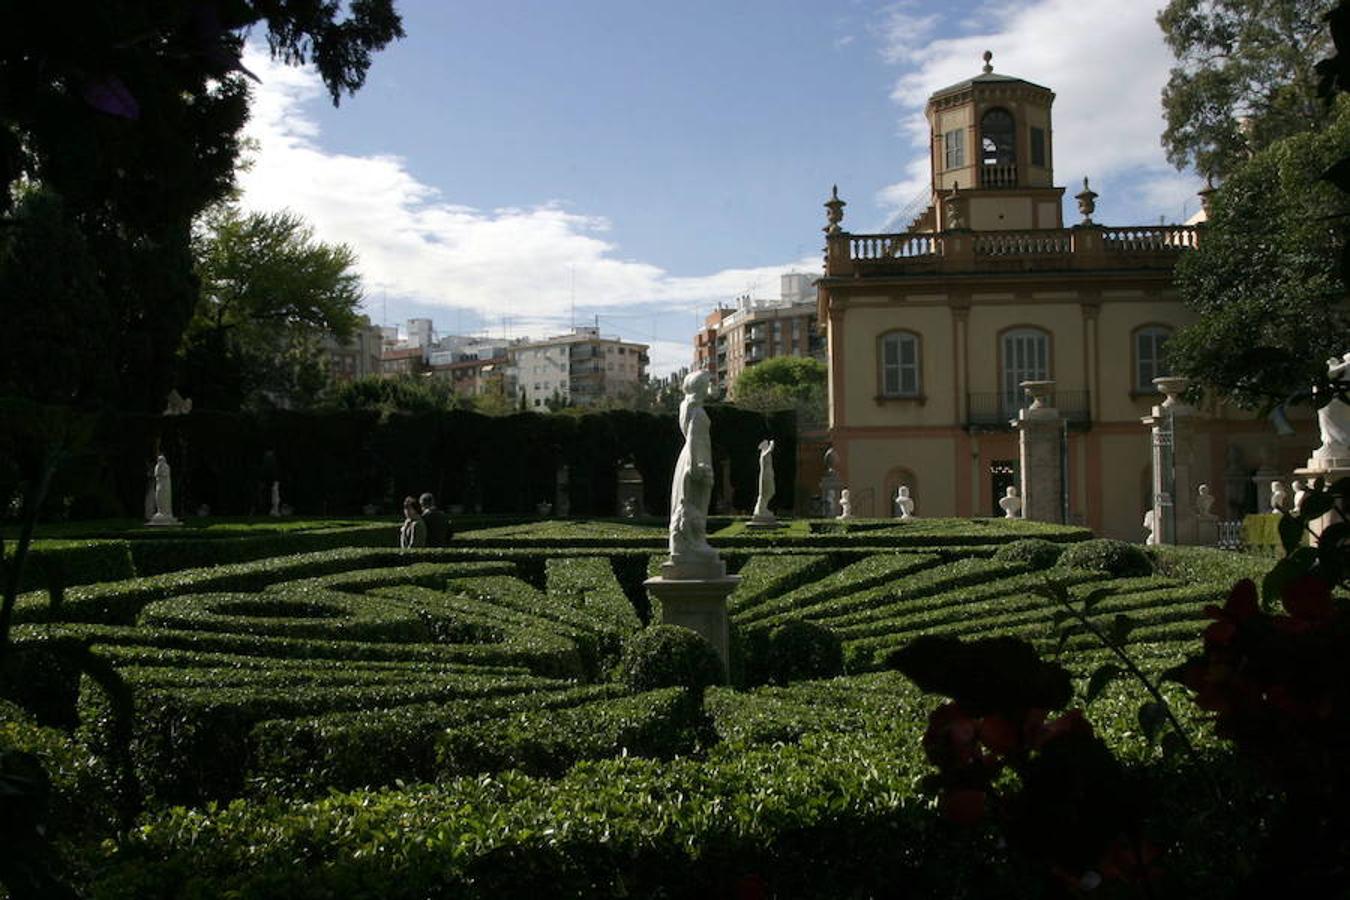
1072,722
1000,735
963,807
1308,598
752,887
951,736
1242,605
1131,860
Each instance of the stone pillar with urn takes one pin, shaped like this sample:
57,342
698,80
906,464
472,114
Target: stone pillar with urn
1175,476
1040,434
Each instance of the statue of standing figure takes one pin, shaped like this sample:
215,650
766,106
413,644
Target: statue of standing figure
904,502
691,489
766,482
1011,504
163,494
1333,420
1204,503
1279,497
845,505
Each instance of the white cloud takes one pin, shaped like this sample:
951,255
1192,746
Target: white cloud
1106,63
416,245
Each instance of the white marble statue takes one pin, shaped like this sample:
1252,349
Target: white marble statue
1204,503
276,498
845,505
1011,504
1334,420
163,494
904,502
766,482
1301,488
691,489
1151,526
1279,497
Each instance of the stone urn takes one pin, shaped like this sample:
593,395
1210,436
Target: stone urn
1173,386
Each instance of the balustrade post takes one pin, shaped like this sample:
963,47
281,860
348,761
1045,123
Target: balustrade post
1087,247
837,261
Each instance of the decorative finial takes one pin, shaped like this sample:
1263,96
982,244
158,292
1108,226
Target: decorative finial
834,211
988,61
1087,202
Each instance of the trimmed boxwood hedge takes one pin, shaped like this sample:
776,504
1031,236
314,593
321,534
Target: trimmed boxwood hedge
1117,558
670,656
547,742
337,617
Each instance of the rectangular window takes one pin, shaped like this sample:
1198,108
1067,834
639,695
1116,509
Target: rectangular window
1150,359
955,143
1038,147
900,365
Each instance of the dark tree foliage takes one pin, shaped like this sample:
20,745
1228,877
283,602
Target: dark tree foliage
1244,79
129,112
1266,278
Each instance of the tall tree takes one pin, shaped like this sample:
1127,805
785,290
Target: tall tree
783,382
269,292
129,111
1244,79
1266,279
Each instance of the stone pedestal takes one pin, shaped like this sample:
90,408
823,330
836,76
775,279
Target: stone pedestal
159,520
768,522
1175,477
699,604
1040,434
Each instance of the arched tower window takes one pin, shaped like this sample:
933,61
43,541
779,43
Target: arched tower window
998,148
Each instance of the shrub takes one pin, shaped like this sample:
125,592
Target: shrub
81,800
1037,553
1117,558
801,650
670,656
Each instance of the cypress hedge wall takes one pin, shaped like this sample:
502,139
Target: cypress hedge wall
338,462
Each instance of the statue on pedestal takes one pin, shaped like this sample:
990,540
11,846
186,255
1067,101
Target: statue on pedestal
845,505
276,499
904,502
163,494
1301,488
1011,504
691,489
766,482
1333,420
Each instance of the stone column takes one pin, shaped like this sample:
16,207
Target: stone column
1040,434
1175,474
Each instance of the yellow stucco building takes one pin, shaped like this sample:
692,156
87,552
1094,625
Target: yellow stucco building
931,331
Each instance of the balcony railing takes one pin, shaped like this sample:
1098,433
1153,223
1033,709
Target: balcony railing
1022,243
999,176
1085,247
997,409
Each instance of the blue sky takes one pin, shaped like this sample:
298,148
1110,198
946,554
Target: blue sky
650,160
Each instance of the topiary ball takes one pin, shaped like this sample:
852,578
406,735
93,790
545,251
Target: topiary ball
670,656
800,649
1037,553
1117,558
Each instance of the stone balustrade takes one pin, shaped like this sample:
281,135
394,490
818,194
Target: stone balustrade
1079,248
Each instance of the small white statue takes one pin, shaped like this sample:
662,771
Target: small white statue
163,494
904,502
766,482
276,498
1334,419
1301,488
1279,497
1151,526
1204,503
1011,504
845,505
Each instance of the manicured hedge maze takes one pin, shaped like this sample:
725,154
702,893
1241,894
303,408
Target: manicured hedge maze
450,722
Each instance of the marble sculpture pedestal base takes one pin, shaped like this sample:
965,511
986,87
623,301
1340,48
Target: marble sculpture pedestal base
699,604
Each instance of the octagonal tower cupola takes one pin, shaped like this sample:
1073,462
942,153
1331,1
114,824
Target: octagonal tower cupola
992,155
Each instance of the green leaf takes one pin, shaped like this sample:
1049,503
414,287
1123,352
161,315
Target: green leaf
1095,597
1058,617
1152,716
1100,679
1121,626
1316,504
1291,532
1300,562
